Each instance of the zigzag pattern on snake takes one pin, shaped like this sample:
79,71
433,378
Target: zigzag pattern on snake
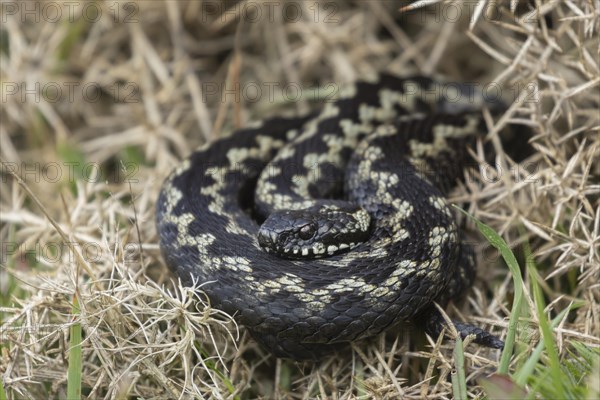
389,146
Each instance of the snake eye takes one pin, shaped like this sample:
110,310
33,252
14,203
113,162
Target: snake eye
307,231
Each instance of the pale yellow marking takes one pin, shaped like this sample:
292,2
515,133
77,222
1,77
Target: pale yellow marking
238,155
367,288
347,92
380,292
404,267
237,263
405,209
300,185
318,248
183,167
368,113
401,234
363,220
392,282
352,128
440,204
172,198
291,134
434,264
286,152
329,111
319,292
316,306
442,131
346,284
438,236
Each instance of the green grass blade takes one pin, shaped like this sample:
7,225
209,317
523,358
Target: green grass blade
210,364
528,367
547,335
459,381
74,372
495,240
2,392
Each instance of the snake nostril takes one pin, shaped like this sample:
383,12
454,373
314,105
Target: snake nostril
265,237
273,237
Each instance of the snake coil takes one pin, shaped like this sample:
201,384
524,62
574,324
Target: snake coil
359,188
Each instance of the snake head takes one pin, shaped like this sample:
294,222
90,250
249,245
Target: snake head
316,232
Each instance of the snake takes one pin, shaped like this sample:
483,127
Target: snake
318,230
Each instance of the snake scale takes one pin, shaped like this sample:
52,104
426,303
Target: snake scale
380,160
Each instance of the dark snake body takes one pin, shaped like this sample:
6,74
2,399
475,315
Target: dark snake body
393,146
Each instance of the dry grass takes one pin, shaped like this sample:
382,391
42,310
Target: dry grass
129,93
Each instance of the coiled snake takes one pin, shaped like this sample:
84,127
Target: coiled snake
357,237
